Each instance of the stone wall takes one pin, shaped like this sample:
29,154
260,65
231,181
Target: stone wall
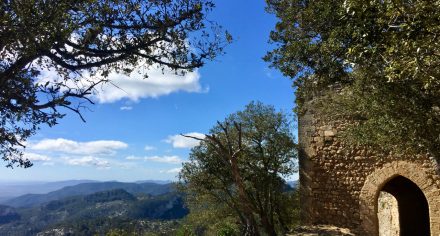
340,185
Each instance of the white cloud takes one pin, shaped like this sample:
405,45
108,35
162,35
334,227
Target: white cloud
48,163
133,158
98,162
173,171
126,108
134,86
162,159
35,157
89,161
179,141
107,147
149,148
165,159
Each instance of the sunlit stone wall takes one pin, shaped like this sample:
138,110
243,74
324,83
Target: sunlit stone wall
388,215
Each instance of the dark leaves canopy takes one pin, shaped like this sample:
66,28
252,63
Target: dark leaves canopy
385,54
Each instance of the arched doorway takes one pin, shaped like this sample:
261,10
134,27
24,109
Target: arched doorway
377,181
413,210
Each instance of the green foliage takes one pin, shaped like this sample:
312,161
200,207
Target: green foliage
184,230
219,228
118,232
384,54
235,174
208,216
292,217
166,207
228,229
91,37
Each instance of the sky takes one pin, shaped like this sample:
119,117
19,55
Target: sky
134,133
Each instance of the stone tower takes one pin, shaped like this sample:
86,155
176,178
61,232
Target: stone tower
340,186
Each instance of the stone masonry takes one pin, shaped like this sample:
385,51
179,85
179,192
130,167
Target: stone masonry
340,185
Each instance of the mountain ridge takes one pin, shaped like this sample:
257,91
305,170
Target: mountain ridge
30,200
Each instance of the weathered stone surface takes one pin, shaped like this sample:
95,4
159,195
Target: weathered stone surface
340,185
388,215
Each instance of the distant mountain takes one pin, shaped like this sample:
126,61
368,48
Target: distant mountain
154,181
10,190
92,214
30,200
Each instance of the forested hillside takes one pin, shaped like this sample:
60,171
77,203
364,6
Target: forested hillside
143,207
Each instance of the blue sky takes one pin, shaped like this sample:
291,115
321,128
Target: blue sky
133,134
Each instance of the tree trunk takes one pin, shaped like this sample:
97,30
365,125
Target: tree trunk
251,228
268,227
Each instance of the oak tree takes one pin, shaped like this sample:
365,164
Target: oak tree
384,55
94,37
239,167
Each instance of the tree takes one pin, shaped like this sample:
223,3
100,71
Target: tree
92,37
240,166
385,56
208,216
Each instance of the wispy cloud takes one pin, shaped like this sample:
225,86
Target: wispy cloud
161,159
269,73
172,171
149,148
179,141
133,158
100,147
89,161
126,108
34,157
49,163
165,159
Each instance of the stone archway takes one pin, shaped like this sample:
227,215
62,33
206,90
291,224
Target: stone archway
377,180
412,207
